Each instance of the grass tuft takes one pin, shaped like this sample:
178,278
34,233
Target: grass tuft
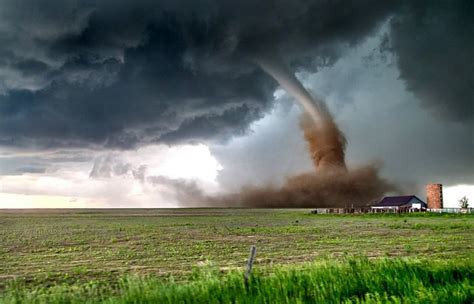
350,281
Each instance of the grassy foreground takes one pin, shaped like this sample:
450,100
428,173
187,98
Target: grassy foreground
46,247
348,281
152,255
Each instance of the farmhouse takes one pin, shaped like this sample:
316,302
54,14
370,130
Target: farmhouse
397,203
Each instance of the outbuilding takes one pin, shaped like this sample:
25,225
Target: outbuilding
398,203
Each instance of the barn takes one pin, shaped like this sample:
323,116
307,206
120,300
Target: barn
396,203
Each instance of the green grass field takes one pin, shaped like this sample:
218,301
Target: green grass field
181,255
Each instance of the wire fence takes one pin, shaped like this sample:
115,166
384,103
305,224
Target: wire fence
365,210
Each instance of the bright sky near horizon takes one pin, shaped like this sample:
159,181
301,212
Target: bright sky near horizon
21,201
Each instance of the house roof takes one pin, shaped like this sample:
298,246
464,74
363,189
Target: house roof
389,201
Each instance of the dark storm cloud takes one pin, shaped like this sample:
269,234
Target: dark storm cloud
88,73
434,42
122,74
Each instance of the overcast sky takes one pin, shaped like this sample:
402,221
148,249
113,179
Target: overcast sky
122,105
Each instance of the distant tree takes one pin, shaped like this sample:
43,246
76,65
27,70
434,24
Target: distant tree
464,202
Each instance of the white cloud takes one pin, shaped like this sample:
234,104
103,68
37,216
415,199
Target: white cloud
452,195
71,185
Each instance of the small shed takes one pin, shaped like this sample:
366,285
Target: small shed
400,202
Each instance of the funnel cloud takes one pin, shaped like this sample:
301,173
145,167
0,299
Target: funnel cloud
325,140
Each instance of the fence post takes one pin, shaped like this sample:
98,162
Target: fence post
253,251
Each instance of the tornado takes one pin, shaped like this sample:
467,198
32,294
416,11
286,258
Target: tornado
325,141
331,185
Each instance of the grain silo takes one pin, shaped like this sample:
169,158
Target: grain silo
434,196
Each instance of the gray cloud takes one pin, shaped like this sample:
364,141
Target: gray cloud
186,192
107,166
108,74
273,151
140,173
15,163
19,168
434,45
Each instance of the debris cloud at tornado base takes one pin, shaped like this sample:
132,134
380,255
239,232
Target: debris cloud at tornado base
353,188
334,189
